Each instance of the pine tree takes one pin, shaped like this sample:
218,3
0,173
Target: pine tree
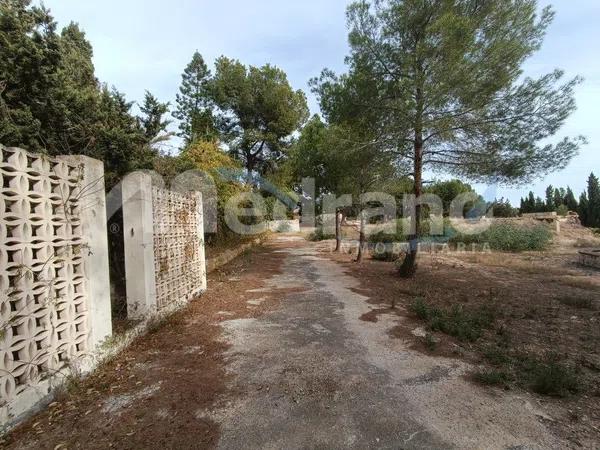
194,107
152,120
258,112
442,83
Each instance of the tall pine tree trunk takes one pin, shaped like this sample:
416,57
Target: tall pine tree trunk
362,237
338,231
409,265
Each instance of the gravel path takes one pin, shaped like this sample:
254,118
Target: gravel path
275,356
316,376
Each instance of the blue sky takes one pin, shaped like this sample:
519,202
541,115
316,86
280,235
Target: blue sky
145,44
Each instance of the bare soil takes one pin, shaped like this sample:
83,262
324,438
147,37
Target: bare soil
546,305
156,392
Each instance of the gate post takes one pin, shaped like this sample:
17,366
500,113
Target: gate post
93,226
138,237
201,250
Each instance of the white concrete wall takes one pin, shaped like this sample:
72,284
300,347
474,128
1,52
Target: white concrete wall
54,287
163,232
284,226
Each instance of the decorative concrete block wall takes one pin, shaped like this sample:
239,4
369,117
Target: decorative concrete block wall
164,247
54,286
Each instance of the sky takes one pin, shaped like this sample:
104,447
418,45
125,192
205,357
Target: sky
145,45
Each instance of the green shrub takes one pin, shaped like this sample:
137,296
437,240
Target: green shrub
509,238
492,377
420,309
320,235
383,237
496,356
463,324
550,376
554,378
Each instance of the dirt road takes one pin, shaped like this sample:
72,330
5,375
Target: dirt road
293,366
317,376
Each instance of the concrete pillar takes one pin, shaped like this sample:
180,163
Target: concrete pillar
93,226
138,236
201,237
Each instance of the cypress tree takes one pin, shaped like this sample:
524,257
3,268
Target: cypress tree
593,210
583,210
570,200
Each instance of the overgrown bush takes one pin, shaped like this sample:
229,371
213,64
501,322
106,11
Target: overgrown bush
398,234
320,235
550,376
509,238
395,233
275,209
385,238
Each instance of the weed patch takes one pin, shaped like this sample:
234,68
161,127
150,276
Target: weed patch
496,356
548,376
492,378
459,322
